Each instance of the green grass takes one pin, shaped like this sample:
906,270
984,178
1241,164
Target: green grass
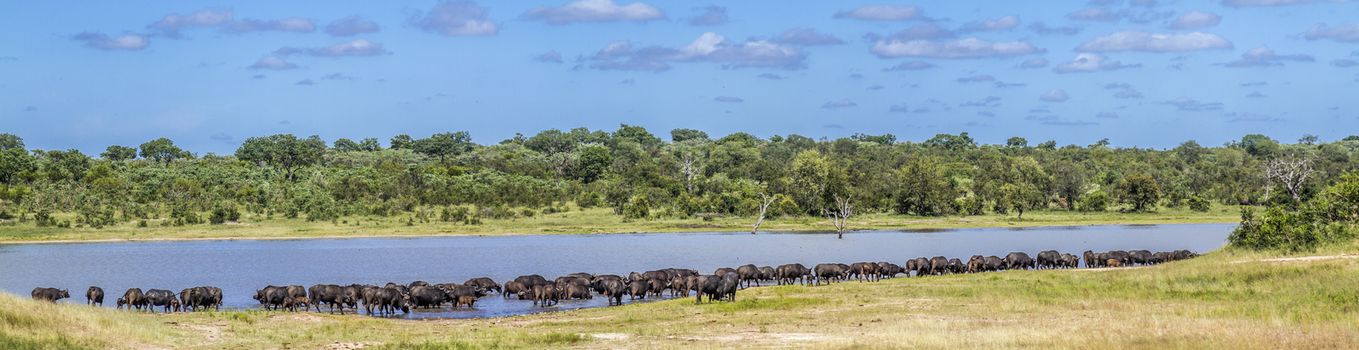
578,221
1226,299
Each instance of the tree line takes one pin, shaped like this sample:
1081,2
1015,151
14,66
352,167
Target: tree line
640,175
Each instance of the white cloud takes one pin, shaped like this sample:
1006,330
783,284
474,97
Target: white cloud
1054,95
1344,63
1090,62
977,78
910,65
125,42
1036,62
1195,20
551,56
1123,90
708,47
173,25
711,16
295,25
356,47
882,13
807,37
1095,14
456,18
1043,29
838,104
1243,3
1344,32
964,48
595,11
992,24
729,99
273,63
352,25
1153,42
1185,103
1265,57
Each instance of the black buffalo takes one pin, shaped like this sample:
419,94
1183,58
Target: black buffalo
50,295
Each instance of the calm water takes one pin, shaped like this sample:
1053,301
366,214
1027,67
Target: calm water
239,267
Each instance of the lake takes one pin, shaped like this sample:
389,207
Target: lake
240,267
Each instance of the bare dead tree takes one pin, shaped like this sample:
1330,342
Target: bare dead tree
690,171
765,201
839,215
1291,172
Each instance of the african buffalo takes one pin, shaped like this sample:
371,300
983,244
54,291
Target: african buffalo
160,297
938,265
829,272
1048,259
329,294
613,290
94,296
748,273
485,283
133,298
50,295
272,297
1018,260
787,273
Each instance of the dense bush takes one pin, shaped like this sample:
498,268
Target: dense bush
1331,217
639,175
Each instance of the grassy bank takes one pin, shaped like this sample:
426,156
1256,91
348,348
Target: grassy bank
1222,300
577,221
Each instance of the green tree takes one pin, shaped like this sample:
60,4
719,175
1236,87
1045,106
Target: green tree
11,141
445,145
1020,197
923,188
681,135
1017,142
815,181
162,150
402,141
119,153
1140,191
283,151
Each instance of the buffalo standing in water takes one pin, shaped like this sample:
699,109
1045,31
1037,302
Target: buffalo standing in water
387,300
274,297
613,289
748,273
545,295
94,296
485,283
788,273
50,295
829,272
329,294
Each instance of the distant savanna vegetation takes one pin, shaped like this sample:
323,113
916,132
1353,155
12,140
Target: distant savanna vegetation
638,179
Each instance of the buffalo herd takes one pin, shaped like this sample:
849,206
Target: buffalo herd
722,285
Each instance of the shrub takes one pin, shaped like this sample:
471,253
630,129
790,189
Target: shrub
1325,219
1199,204
639,207
1095,201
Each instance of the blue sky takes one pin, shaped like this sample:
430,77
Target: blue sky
1143,73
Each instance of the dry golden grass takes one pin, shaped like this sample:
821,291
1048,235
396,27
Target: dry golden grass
1223,300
